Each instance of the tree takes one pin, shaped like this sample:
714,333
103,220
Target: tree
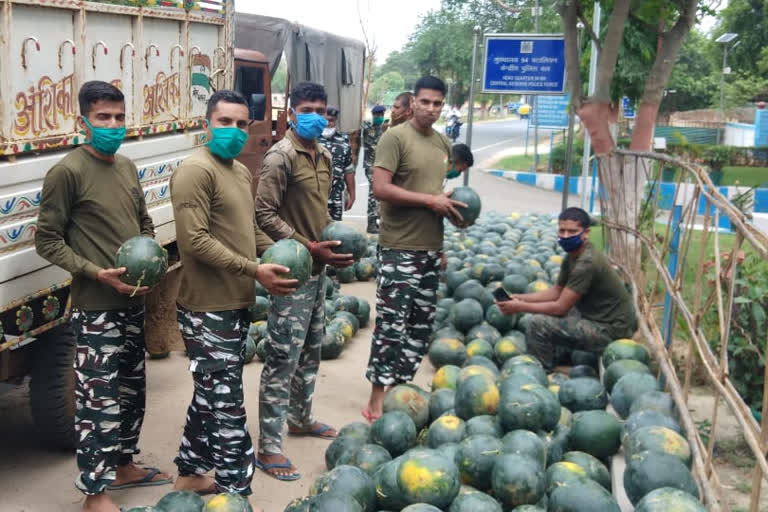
386,87
693,80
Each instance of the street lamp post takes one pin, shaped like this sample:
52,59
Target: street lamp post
724,39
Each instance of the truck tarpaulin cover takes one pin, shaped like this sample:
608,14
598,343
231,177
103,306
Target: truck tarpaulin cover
313,55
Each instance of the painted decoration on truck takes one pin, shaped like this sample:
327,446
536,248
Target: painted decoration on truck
200,84
41,108
24,202
161,96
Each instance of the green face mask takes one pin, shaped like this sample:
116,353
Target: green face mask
453,173
378,121
105,140
226,142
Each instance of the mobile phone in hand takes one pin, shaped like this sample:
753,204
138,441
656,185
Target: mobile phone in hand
500,295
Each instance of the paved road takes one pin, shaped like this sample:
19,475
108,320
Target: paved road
488,139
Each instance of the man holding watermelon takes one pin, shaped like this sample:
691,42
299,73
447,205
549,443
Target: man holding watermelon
412,160
292,202
91,203
587,309
218,241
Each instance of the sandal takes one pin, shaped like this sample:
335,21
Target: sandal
319,430
287,465
145,481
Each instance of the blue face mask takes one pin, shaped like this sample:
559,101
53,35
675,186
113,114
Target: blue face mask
571,243
309,126
105,140
227,142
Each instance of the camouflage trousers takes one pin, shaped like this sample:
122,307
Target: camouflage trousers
551,337
296,326
406,293
336,197
373,204
216,434
110,392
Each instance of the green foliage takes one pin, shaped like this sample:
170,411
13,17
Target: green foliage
717,156
558,154
280,78
693,78
385,89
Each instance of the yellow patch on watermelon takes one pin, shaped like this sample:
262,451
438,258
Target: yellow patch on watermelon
527,359
513,216
534,263
476,369
540,286
415,476
672,443
573,468
347,332
490,400
627,342
469,242
528,387
452,343
554,388
449,422
440,380
482,256
220,500
556,258
506,347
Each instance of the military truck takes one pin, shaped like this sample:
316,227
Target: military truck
168,57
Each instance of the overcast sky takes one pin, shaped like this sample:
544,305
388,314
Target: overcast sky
390,21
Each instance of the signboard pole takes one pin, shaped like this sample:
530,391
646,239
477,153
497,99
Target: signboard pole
470,115
591,91
536,103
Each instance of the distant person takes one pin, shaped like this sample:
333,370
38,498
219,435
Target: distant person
587,309
410,168
372,131
402,110
218,241
461,160
292,202
338,145
91,203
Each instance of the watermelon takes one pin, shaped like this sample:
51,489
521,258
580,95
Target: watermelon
228,502
352,241
261,350
595,469
556,442
421,507
250,349
145,262
564,473
530,407
654,401
517,480
350,481
455,278
445,429
334,502
346,274
332,344
427,477
448,331
364,269
582,371
479,347
499,320
447,351
514,284
363,312
388,495
445,377
493,272
292,254
299,504
181,501
142,509
470,289
625,349
343,448
483,425
620,368
410,400
476,396
658,439
509,347
347,303
440,401
582,496
582,394
466,314
647,418
596,433
529,508
474,502
484,331
538,286
475,369
526,444
665,499
259,309
485,363
370,457
628,388
584,358
475,459
527,365
648,471
468,196
395,431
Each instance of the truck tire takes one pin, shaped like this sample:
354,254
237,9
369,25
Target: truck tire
52,387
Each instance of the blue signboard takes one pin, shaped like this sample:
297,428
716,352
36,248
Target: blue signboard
551,111
761,128
628,108
524,64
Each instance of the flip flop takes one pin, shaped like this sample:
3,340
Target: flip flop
319,431
368,415
287,465
145,481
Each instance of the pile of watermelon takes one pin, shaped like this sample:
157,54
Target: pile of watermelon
495,432
188,501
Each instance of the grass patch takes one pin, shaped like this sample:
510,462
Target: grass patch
746,176
521,163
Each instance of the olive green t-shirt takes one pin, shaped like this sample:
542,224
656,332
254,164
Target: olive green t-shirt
88,208
604,298
418,163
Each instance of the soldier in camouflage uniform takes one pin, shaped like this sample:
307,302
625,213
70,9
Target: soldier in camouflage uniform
218,242
372,131
588,308
410,168
343,169
91,203
292,202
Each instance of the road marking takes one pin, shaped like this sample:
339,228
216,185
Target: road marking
492,145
